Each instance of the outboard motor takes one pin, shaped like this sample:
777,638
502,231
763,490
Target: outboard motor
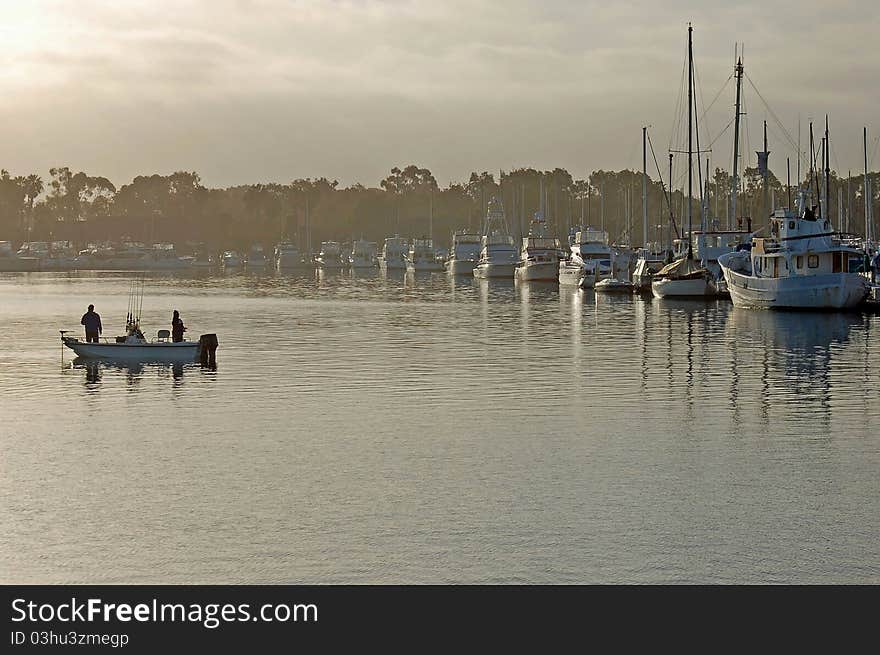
208,350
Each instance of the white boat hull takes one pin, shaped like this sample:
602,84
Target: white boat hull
460,266
494,270
825,291
571,274
424,267
544,271
692,287
182,351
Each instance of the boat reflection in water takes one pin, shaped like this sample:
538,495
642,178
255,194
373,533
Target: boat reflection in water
134,372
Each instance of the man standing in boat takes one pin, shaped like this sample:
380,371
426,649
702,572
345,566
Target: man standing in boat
177,327
92,321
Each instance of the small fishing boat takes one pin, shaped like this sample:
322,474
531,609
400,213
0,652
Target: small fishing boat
134,346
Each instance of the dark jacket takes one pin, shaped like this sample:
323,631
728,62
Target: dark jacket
177,329
92,321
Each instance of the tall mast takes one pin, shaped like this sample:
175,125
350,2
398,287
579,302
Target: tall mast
431,214
645,186
763,158
690,135
735,181
671,212
812,153
867,201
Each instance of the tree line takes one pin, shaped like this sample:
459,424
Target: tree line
178,208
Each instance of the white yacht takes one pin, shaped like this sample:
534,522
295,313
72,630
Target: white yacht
539,257
684,278
498,255
363,254
394,252
423,257
289,256
330,257
589,261
804,264
464,253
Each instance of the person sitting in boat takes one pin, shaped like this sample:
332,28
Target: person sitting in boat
810,213
92,322
177,327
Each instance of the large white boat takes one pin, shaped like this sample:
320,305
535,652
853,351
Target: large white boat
589,259
464,253
498,255
289,256
394,252
804,264
539,257
684,278
330,257
363,255
423,257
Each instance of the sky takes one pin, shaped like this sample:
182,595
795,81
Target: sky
246,91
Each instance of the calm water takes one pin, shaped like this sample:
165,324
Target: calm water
426,430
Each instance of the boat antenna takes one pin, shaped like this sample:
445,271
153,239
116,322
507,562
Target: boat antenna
788,179
812,162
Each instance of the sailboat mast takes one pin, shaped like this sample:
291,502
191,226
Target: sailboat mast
827,164
645,186
690,134
865,194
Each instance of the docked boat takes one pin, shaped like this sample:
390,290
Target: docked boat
256,259
648,263
539,257
289,256
331,257
394,252
464,253
498,255
363,255
589,258
614,285
231,260
684,278
423,257
804,264
11,261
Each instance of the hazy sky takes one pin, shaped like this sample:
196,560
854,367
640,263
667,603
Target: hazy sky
268,90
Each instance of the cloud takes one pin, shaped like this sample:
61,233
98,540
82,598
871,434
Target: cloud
249,90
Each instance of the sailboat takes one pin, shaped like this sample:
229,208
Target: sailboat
686,277
133,346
